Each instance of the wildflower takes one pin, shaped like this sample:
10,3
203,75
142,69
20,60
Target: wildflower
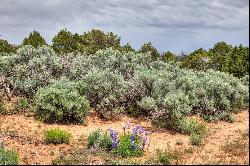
132,137
135,129
141,130
114,137
133,145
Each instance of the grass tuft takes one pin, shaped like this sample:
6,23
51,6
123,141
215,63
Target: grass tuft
56,136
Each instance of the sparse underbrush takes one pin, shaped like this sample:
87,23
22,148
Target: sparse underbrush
196,130
165,157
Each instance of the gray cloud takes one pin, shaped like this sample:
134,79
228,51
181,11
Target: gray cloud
160,21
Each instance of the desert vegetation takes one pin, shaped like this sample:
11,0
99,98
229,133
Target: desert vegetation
63,82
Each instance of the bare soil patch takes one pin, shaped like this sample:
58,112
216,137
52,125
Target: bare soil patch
25,134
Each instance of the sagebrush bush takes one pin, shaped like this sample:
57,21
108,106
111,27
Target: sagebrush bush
134,110
225,116
56,136
59,102
8,157
171,109
115,81
245,80
104,89
147,105
30,69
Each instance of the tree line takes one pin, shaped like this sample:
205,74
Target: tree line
222,57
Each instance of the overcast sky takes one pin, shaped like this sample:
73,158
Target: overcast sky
174,25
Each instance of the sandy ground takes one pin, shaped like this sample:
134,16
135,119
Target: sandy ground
25,134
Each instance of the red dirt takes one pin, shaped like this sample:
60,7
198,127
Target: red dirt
25,135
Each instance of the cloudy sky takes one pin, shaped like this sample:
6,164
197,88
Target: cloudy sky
175,25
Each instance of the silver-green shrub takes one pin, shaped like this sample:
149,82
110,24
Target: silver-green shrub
30,69
147,105
114,81
105,89
37,68
245,80
60,102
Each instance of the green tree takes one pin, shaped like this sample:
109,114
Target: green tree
96,39
35,39
147,47
79,45
7,47
196,60
65,42
168,56
219,54
127,48
237,63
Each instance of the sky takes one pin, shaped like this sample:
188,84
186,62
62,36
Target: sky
170,25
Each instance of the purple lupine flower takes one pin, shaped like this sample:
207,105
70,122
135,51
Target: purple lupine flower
138,129
133,145
141,130
135,130
114,144
114,137
132,137
110,131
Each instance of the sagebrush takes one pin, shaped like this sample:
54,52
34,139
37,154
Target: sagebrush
115,82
